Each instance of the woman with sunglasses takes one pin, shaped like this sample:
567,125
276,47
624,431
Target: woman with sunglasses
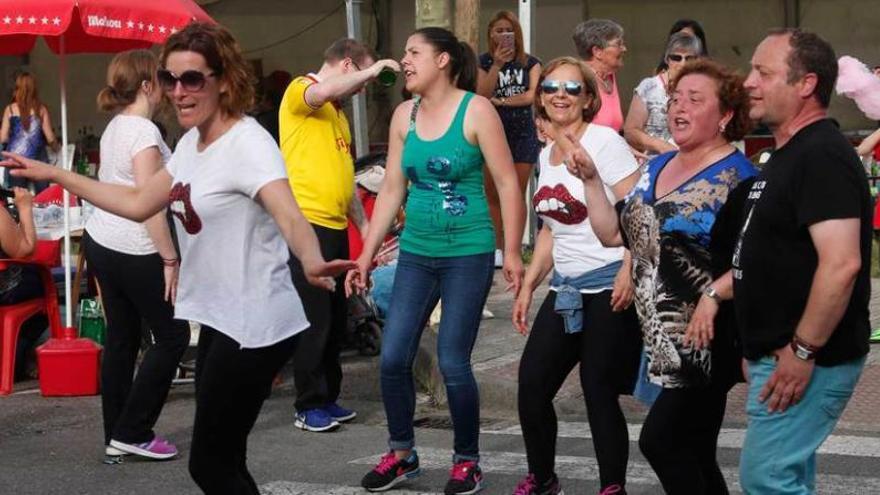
136,265
236,218
680,223
508,76
585,317
439,143
645,128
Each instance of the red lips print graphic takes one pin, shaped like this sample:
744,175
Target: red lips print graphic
558,204
181,207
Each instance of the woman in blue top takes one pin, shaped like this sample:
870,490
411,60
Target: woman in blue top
438,145
679,223
508,76
26,128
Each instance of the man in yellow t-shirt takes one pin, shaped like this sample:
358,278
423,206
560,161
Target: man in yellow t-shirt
316,143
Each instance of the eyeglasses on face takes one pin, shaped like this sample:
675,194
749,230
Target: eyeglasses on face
191,80
550,87
674,57
616,43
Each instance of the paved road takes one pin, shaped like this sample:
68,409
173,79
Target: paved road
52,446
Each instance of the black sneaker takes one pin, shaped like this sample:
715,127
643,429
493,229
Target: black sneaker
465,478
391,471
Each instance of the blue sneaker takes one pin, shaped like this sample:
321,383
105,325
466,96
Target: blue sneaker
315,420
339,413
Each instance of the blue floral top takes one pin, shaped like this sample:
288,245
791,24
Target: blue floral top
669,239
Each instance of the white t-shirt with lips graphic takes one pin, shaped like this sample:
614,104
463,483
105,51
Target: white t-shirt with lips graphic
233,275
560,201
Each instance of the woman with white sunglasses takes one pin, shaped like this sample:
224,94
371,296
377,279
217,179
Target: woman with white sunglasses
586,318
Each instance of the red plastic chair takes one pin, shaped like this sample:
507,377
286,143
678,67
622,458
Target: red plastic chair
45,256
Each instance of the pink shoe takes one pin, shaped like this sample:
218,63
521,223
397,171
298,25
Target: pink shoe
158,448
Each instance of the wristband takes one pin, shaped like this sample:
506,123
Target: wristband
803,350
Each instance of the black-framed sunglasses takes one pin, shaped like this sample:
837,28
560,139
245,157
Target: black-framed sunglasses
674,57
550,86
191,80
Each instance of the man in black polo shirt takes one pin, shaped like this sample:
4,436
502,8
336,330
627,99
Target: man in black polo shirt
800,267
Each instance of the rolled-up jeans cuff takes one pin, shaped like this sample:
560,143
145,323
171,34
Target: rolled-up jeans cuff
401,445
456,458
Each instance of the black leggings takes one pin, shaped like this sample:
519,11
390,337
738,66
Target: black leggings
231,385
608,350
680,439
132,290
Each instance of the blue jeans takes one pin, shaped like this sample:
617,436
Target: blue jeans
779,453
462,283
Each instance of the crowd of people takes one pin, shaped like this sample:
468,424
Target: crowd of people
678,267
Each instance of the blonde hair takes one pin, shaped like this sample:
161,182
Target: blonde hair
223,56
519,45
26,97
590,86
125,76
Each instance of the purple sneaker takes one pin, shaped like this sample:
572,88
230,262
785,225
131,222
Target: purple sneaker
157,448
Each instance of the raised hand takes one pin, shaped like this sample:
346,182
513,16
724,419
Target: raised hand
385,63
579,163
33,170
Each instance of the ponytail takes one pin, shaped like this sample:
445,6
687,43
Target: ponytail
125,75
463,60
466,77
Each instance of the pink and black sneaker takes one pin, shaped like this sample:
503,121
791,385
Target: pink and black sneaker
391,471
465,478
530,486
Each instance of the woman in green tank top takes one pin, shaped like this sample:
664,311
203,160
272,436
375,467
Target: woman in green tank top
438,144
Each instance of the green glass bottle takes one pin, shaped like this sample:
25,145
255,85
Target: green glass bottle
387,77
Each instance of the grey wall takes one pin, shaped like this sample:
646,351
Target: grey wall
733,29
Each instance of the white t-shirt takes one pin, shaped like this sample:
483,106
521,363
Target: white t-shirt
124,137
561,203
234,275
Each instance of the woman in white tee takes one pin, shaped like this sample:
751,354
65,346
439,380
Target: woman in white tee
236,217
585,318
136,266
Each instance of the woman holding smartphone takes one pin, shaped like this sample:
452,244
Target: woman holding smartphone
508,76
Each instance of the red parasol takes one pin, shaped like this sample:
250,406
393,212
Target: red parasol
92,26
89,26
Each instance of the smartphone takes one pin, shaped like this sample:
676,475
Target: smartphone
505,40
7,193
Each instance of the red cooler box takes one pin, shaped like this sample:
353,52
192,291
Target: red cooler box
69,367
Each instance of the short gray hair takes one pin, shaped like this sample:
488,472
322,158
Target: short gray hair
683,42
595,33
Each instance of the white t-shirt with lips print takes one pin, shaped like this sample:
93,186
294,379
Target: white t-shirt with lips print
233,275
561,203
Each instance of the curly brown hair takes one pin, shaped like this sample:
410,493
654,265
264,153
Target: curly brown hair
590,86
732,96
223,55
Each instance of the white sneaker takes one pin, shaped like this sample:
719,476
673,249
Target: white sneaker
499,258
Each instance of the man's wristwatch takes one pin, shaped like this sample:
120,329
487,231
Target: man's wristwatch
711,293
803,350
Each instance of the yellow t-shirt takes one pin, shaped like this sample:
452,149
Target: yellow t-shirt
316,143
